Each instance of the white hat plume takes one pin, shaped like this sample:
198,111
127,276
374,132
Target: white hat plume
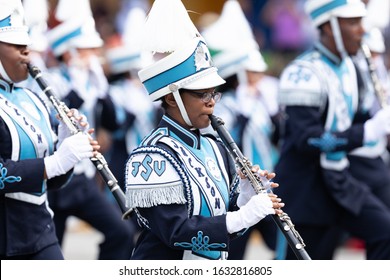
168,27
67,9
232,30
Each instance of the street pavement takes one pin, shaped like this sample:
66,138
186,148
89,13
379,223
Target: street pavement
81,242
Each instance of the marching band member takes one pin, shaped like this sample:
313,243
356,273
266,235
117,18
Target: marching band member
80,82
249,103
182,184
135,112
319,94
31,159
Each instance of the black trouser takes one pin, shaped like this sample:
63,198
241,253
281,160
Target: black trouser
83,199
372,225
51,252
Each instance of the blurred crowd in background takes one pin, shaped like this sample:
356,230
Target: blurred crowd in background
281,27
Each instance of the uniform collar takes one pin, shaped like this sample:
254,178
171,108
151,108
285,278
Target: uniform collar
327,53
177,131
5,86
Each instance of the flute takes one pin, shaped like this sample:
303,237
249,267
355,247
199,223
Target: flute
283,221
99,161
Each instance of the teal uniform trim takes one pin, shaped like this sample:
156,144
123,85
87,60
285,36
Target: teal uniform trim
201,244
4,178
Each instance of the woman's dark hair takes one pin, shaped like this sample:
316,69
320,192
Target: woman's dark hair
164,104
117,77
231,84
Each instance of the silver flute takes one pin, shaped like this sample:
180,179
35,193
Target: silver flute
283,221
99,161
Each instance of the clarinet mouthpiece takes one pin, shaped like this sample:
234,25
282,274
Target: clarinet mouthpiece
33,70
216,121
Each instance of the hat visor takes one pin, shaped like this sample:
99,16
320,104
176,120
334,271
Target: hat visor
351,12
255,67
210,80
87,42
16,38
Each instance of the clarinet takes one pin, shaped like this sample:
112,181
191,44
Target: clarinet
99,161
378,88
283,221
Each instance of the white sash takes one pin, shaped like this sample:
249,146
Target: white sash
27,122
194,166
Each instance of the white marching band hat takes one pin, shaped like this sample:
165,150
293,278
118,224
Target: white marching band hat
121,59
188,64
190,67
255,62
321,11
13,29
237,49
36,15
77,29
128,56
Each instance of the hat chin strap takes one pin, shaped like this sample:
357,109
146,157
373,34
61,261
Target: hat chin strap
4,74
334,23
182,109
242,77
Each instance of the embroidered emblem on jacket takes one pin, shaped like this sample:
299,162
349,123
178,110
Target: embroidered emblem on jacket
9,179
200,243
328,142
150,166
213,168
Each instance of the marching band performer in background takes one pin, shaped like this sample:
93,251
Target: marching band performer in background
249,103
80,82
319,94
33,159
135,112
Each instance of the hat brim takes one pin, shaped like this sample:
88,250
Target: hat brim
351,12
255,62
210,80
86,42
16,38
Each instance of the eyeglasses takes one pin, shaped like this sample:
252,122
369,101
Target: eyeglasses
205,96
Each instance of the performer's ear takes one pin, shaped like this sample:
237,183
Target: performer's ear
170,100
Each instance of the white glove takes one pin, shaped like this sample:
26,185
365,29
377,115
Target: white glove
72,150
63,130
378,126
250,214
247,191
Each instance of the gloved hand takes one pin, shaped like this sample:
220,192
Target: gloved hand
246,192
246,189
72,150
63,130
250,214
378,126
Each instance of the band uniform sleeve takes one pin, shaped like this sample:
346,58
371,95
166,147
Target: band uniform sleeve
303,99
21,176
172,226
300,85
153,178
